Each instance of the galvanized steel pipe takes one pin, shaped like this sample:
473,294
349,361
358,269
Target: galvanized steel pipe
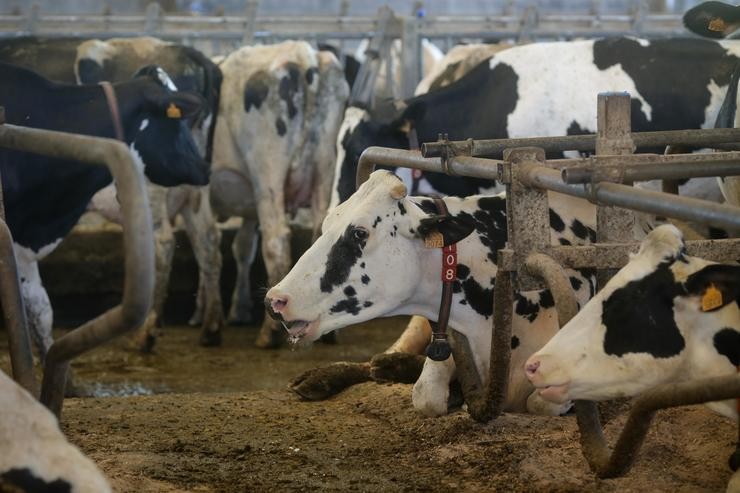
494,147
137,242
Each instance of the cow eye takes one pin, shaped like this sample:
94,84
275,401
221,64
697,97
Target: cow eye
360,234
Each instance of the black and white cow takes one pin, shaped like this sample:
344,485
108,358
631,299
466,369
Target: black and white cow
72,60
664,317
548,89
36,456
371,262
45,197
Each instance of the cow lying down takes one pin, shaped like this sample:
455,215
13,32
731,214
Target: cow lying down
371,262
35,455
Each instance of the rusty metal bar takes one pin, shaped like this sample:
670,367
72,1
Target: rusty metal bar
609,464
498,372
616,255
654,167
661,204
21,357
137,242
495,147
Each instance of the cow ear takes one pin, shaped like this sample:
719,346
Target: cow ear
712,19
442,231
177,104
717,284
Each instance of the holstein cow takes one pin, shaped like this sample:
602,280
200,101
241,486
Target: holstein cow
279,114
44,197
664,317
71,60
36,457
371,262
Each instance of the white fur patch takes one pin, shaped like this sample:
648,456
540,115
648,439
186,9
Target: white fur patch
716,97
352,117
144,124
165,79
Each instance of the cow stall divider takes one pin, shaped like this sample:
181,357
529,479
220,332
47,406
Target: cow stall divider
138,250
530,261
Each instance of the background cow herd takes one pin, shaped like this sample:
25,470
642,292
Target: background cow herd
267,132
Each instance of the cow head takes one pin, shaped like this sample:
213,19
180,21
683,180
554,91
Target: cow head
156,115
368,263
664,316
713,19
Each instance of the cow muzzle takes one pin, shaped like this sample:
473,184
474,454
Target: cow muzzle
543,374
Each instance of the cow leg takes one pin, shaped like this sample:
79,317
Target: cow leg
244,249
432,391
205,238
38,307
538,405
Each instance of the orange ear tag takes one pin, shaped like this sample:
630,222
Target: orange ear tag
173,111
434,240
717,25
711,299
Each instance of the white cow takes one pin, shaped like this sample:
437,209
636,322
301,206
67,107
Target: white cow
35,454
279,114
371,262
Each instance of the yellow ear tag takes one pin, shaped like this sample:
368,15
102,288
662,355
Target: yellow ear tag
711,299
434,240
717,25
173,111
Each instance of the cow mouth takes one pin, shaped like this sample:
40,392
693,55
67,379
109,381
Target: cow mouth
555,393
301,329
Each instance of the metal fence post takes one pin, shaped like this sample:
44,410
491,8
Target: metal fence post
410,56
613,137
153,22
33,18
250,21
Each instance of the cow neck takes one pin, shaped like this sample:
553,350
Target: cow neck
439,349
115,114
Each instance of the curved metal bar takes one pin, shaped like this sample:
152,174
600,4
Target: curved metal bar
609,464
137,242
544,266
21,357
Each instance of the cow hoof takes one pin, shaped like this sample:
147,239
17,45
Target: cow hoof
210,339
147,344
396,367
269,339
321,383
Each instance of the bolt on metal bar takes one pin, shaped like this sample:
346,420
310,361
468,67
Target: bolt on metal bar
137,242
652,167
495,147
661,204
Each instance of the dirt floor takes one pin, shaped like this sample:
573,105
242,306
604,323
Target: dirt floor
223,420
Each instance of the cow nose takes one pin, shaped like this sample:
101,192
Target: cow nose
531,368
275,304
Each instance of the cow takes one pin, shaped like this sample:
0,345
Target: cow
371,261
72,60
664,317
44,197
279,113
36,455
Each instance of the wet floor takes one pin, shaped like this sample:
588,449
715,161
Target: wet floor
180,365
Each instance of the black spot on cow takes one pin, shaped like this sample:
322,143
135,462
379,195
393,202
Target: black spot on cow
310,74
280,126
575,283
456,286
18,479
575,129
350,305
412,231
377,220
514,342
639,316
463,271
365,279
428,206
90,71
367,304
256,90
343,254
546,299
727,343
463,302
479,298
579,229
350,291
362,265
288,88
401,207
490,224
525,307
652,69
556,222
564,241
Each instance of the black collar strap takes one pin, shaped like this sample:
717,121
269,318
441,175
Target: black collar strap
439,349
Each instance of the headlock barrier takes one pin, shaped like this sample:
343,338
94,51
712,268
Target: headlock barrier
530,262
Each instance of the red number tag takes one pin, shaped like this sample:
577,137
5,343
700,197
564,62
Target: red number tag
449,263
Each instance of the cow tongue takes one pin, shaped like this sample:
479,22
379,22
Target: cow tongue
296,329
